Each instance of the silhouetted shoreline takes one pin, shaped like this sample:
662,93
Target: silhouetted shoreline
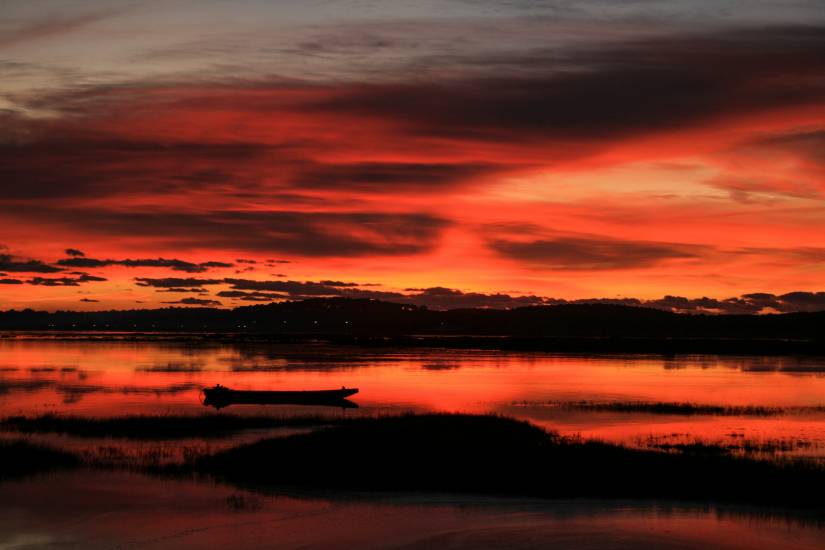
582,328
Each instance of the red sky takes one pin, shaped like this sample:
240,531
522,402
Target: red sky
607,150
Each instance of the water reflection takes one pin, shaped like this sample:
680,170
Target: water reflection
105,378
105,510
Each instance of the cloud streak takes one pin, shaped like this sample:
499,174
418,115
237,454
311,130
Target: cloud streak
18,265
174,264
321,234
593,253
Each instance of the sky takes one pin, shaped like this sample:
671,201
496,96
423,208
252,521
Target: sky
449,153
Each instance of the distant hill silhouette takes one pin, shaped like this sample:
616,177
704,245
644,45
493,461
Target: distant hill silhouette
527,327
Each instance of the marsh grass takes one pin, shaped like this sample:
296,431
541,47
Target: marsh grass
672,408
457,453
501,456
147,457
735,445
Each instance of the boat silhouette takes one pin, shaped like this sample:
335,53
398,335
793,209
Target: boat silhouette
221,396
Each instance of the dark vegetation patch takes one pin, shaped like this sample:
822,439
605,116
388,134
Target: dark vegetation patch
458,453
155,426
20,458
571,328
672,408
495,455
751,447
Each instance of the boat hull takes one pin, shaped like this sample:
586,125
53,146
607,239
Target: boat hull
223,397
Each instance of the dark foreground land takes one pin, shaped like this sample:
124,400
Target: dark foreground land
580,328
19,458
482,455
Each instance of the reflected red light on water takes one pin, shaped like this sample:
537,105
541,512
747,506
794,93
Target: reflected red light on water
117,378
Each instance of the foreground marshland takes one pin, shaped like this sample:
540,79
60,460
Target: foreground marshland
454,453
20,458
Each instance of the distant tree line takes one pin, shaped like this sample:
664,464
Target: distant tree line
366,317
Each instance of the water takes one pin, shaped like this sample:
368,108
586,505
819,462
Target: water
104,378
122,510
105,509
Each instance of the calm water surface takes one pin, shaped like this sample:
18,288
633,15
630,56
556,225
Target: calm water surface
100,509
121,510
117,378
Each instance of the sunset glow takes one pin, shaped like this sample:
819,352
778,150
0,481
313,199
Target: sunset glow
443,153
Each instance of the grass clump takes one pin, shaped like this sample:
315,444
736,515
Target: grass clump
20,458
500,456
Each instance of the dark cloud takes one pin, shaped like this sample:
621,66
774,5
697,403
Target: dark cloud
195,302
74,253
801,301
282,172
595,94
58,281
447,298
340,284
93,162
85,278
255,290
85,262
391,177
291,288
435,297
171,282
333,234
698,305
192,290
177,265
64,281
11,282
251,296
611,301
569,106
174,264
17,265
746,304
608,91
591,253
89,300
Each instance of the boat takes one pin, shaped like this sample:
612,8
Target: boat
221,396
